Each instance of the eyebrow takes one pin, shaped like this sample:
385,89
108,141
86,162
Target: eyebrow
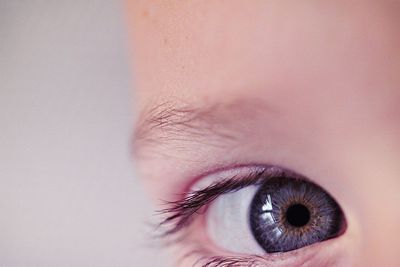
180,123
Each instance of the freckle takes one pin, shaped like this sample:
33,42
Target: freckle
165,40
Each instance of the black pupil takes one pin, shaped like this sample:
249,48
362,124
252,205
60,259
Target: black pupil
297,215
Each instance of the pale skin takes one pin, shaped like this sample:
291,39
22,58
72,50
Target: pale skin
310,85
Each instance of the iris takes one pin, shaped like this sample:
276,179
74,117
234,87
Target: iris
289,213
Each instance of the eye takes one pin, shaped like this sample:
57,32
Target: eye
281,214
257,211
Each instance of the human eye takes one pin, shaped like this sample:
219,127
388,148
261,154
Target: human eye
253,216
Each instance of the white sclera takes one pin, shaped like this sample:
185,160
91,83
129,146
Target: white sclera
228,222
227,218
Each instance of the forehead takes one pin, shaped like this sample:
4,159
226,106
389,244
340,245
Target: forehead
307,50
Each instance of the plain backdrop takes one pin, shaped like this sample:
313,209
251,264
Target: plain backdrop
68,192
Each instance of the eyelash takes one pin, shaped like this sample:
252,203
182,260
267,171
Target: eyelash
181,213
221,261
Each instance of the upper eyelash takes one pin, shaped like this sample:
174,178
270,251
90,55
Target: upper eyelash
179,214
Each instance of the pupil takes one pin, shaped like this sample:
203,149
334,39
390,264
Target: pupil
298,215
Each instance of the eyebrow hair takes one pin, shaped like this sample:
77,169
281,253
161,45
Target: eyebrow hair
180,123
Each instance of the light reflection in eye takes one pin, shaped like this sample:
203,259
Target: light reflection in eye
268,217
268,204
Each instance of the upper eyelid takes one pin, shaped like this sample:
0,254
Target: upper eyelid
238,171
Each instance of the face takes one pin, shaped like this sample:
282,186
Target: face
271,128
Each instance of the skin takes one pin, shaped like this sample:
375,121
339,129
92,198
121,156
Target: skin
309,85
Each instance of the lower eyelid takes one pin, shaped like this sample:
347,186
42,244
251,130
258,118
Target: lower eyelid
321,254
203,250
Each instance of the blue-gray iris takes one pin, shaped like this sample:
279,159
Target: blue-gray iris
289,213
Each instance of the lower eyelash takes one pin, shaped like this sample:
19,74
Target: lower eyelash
226,261
220,261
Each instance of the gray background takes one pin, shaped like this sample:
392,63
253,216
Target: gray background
68,193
